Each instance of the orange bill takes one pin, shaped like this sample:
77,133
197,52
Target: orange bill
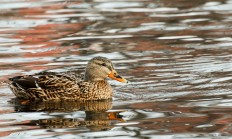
115,76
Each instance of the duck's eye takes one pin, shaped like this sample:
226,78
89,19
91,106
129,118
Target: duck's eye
103,64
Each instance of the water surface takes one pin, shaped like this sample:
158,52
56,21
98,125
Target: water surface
176,55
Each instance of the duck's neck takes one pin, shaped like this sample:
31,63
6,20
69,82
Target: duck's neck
90,78
93,80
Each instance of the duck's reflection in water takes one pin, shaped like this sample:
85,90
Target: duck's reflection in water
98,116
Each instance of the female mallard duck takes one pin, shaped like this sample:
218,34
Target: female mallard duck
68,86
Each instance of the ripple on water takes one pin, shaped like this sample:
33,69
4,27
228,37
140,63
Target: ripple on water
176,55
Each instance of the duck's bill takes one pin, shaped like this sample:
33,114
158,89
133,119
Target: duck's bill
115,76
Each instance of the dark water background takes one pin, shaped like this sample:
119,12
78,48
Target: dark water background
175,53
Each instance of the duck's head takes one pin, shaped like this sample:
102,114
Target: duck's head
99,68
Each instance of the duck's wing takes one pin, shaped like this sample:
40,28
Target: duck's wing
24,82
56,81
46,81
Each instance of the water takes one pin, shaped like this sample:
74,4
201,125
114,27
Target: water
176,55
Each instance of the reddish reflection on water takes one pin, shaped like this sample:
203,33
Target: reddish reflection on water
176,55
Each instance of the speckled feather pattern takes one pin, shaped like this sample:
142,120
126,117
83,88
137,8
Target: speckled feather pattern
63,87
48,86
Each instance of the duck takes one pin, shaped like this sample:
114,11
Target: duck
92,86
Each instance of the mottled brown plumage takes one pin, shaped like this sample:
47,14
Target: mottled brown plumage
68,86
